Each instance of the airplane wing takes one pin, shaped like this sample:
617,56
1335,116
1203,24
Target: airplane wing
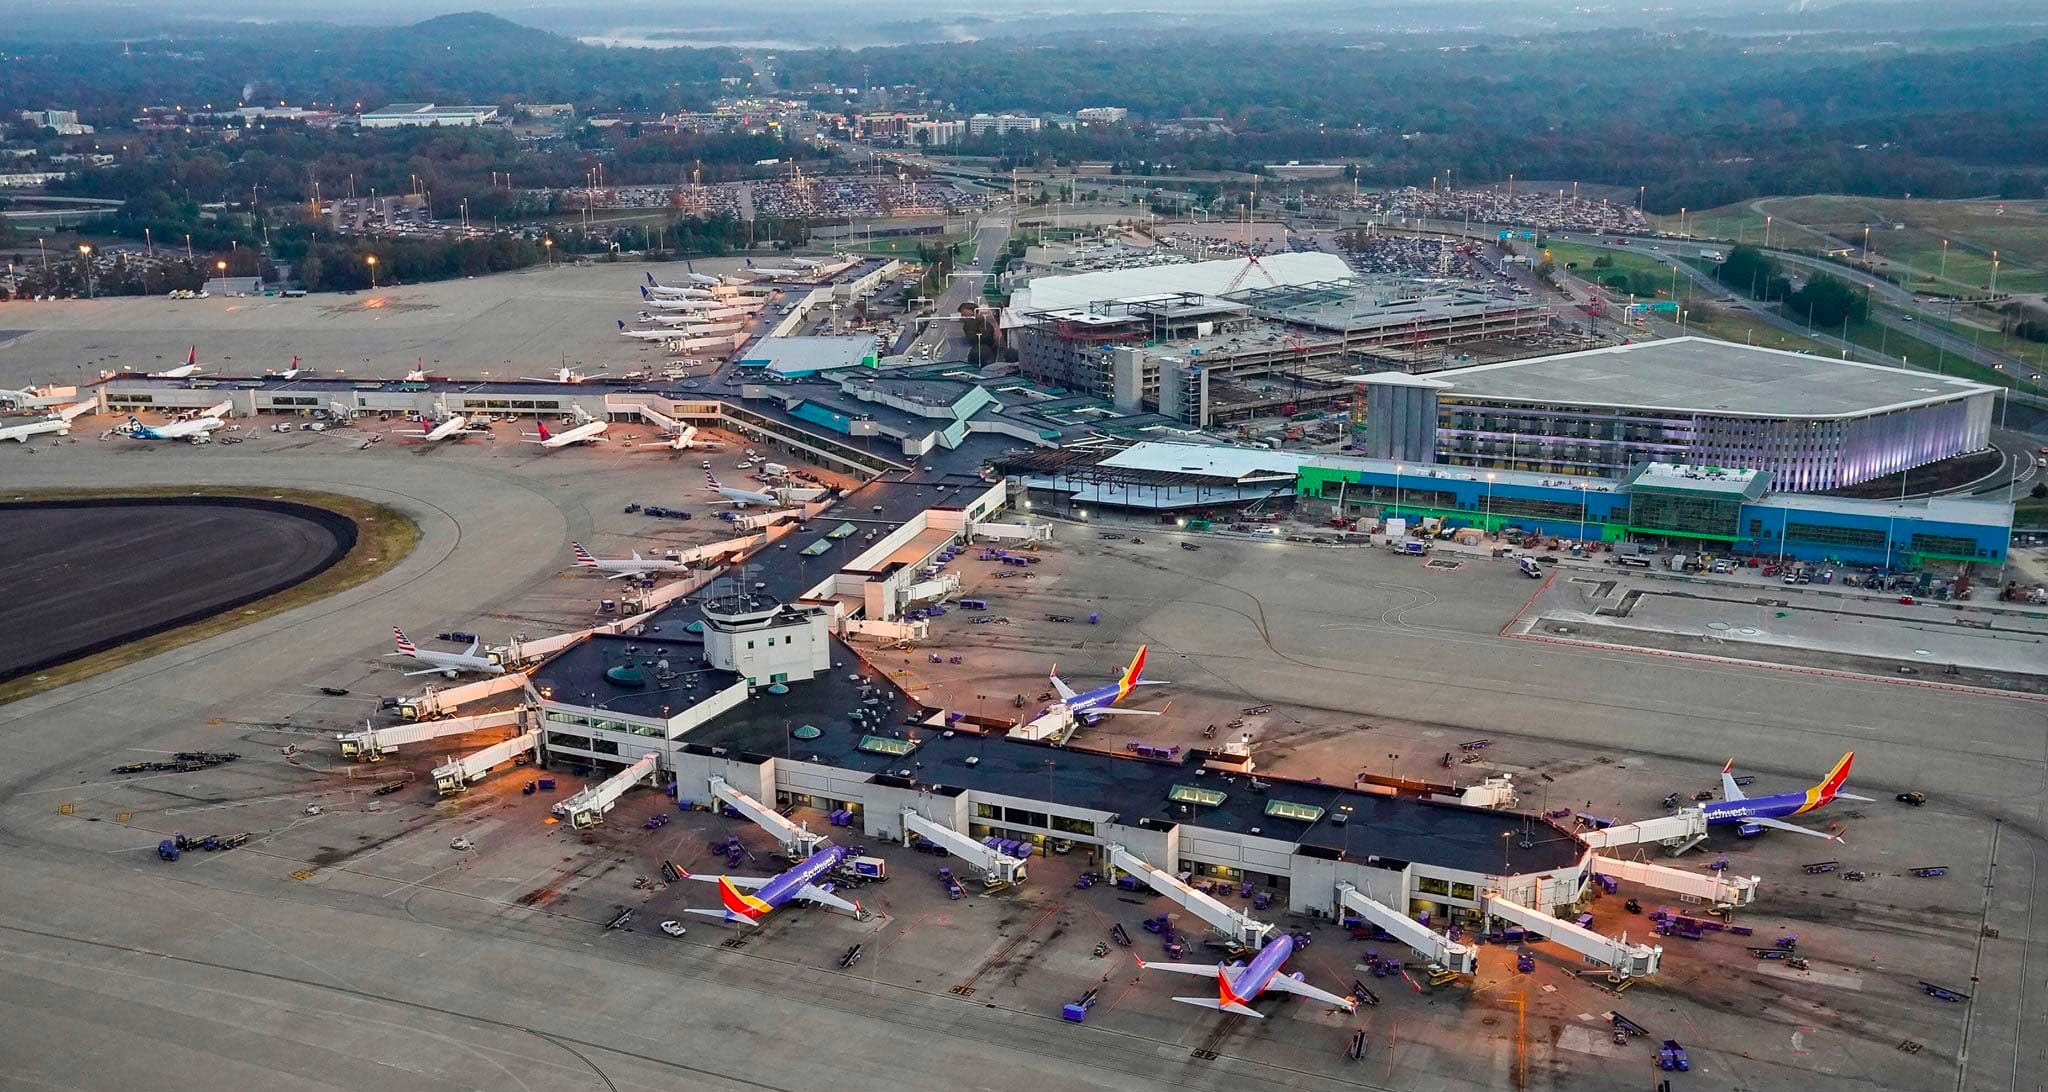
473,646
748,883
1113,711
429,671
621,575
1852,796
1302,989
816,894
1779,824
1206,970
1066,692
1729,789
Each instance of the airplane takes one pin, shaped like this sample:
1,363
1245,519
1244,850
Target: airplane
44,427
588,430
662,296
448,426
772,892
566,374
189,368
683,438
670,320
693,276
450,664
1090,705
614,568
176,430
417,375
740,497
1769,811
288,373
771,271
806,263
1239,984
662,304
647,335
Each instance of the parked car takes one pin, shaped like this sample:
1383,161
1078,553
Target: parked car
673,928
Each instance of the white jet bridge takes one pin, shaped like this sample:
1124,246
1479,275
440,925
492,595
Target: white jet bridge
455,775
1677,832
1625,960
371,744
587,808
797,839
1716,889
1431,945
994,866
1240,928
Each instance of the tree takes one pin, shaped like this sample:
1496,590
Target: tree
1749,271
2039,492
1827,300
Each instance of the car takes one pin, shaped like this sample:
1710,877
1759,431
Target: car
673,927
1907,600
462,844
1914,798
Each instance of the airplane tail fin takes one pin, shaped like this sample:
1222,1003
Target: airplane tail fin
1836,778
711,481
404,645
1133,673
583,556
192,358
622,324
650,278
1237,1008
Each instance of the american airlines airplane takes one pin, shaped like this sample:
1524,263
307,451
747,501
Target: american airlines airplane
614,568
588,430
176,430
740,497
1239,984
450,664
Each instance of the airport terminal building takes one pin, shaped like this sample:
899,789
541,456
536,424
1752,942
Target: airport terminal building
1813,424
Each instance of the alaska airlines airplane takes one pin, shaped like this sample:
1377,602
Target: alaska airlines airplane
1239,984
1770,811
769,893
176,430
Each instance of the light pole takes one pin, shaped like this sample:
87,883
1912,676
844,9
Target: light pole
1582,511
548,247
371,261
1994,273
85,259
1398,468
1767,233
1943,274
1489,502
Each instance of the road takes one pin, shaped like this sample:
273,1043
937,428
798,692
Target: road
943,335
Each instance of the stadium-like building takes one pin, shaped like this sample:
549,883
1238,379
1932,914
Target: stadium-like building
1810,422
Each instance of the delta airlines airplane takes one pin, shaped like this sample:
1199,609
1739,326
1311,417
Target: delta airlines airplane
1239,984
189,368
588,430
614,568
565,374
47,426
740,497
288,373
450,664
447,426
770,893
1089,706
176,430
1770,811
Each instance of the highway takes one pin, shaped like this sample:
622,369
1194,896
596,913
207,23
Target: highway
943,334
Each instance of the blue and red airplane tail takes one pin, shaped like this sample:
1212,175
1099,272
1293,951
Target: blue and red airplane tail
1829,786
1128,681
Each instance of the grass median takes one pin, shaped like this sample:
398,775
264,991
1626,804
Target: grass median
384,536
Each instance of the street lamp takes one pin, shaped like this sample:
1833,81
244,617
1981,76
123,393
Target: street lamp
548,248
1398,468
85,259
1489,502
371,261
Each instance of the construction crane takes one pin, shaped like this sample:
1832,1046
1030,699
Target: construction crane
1250,264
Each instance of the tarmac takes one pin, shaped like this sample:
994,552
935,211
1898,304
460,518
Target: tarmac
355,948
506,326
125,570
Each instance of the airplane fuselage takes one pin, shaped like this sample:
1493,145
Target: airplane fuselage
48,426
1762,807
1251,980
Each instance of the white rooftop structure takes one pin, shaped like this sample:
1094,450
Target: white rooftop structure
1234,463
1203,278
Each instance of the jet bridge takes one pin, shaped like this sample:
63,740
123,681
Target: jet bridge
1240,928
1626,960
1716,889
995,866
1433,946
371,744
587,808
1676,833
796,839
457,774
